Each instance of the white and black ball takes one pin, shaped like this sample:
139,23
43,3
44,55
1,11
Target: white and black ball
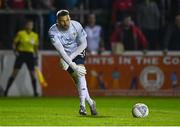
140,110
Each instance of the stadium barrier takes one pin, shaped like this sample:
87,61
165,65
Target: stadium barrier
22,84
129,74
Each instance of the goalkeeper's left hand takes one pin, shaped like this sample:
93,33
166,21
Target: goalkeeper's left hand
80,70
63,64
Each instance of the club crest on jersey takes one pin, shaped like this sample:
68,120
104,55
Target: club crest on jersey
74,34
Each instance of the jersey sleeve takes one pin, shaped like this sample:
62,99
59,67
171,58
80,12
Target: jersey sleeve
81,39
59,47
36,39
81,32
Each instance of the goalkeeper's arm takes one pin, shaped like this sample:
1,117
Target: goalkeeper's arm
78,69
80,49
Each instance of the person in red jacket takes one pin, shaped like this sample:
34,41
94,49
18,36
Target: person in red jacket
128,35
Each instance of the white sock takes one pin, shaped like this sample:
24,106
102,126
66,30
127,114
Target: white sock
83,85
82,89
82,97
81,92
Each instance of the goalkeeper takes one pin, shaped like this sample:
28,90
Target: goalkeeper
69,38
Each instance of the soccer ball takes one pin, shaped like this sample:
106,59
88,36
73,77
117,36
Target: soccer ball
140,110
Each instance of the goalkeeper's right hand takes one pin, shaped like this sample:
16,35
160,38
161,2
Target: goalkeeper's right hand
79,69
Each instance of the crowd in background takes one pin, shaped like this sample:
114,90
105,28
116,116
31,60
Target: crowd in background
120,25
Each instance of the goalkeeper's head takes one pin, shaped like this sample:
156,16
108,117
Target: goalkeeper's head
63,19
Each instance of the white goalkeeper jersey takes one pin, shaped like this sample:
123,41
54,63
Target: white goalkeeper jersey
70,39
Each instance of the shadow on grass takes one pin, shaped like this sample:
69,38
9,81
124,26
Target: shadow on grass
98,116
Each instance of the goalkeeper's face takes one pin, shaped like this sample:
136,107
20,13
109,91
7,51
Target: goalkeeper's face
64,22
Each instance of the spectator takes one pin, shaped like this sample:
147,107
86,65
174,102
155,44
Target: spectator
49,4
119,7
148,19
19,4
94,35
172,35
129,35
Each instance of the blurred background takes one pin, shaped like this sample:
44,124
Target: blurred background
136,42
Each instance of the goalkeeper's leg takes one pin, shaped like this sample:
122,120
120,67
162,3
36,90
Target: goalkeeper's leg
81,92
81,84
92,103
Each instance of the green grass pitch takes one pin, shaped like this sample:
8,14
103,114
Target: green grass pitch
63,111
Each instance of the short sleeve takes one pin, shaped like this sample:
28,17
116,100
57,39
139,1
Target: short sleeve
37,39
